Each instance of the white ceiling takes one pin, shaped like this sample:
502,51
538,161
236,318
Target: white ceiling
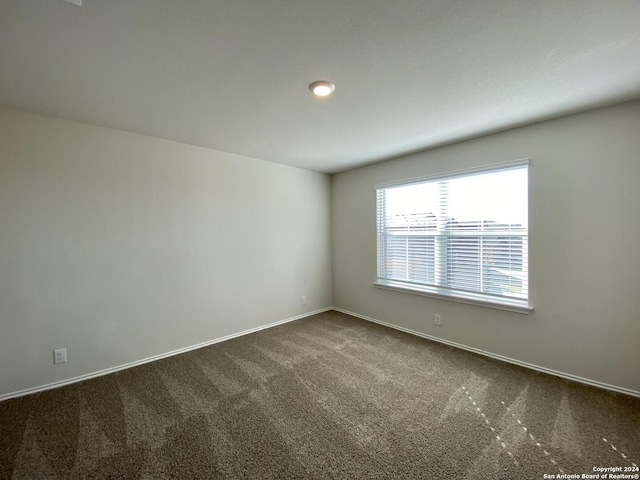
232,75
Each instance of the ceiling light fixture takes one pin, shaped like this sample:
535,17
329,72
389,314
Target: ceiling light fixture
322,88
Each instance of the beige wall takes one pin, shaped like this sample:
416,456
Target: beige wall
119,246
584,211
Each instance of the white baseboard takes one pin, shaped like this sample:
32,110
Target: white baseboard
107,371
568,376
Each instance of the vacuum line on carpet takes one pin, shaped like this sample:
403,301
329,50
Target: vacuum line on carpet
493,430
533,439
619,452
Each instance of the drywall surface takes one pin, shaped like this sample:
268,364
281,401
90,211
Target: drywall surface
584,227
120,247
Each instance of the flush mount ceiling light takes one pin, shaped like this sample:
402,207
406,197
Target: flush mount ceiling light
322,88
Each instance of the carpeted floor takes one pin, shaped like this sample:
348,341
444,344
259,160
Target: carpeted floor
329,396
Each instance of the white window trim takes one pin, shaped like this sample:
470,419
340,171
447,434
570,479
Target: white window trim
435,292
478,299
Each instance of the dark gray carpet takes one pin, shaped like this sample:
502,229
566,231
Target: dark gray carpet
330,396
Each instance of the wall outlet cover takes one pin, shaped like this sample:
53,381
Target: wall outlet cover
60,355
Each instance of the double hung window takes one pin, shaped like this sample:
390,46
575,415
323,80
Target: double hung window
461,236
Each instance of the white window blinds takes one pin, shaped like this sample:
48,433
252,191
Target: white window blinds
463,235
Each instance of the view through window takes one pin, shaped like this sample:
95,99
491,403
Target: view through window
463,235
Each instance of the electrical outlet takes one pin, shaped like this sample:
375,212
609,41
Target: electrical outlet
303,300
60,355
437,319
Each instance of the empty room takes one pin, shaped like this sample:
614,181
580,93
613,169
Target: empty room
319,239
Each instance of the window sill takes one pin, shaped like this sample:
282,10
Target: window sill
479,300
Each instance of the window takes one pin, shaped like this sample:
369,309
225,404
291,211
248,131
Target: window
461,236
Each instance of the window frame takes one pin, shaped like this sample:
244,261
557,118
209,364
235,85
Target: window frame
443,293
